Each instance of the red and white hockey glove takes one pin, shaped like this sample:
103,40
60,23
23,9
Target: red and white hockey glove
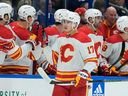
104,69
51,69
82,78
38,31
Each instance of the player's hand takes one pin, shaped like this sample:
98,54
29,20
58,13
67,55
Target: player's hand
51,69
82,78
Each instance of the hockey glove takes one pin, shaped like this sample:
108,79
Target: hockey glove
82,78
38,31
51,69
113,71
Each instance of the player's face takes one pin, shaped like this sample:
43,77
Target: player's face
6,18
97,21
67,25
111,17
31,19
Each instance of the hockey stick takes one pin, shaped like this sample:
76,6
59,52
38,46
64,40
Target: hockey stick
48,79
52,81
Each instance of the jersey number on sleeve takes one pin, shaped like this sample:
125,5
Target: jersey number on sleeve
90,49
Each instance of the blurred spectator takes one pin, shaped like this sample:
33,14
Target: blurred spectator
108,25
42,13
85,4
73,4
121,6
126,3
99,4
57,4
24,2
6,1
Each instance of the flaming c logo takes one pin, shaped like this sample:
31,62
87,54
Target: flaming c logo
66,52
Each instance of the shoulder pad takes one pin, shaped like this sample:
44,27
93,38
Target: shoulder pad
51,30
22,33
5,33
115,39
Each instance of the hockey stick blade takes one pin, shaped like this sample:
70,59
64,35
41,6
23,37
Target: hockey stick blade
44,75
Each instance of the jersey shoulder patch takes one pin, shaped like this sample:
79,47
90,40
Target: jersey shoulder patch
115,39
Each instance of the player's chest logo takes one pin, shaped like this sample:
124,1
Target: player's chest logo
67,52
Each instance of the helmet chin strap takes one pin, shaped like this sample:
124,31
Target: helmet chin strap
6,21
92,24
93,27
126,32
30,23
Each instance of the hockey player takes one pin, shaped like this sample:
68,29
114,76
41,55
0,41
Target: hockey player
53,31
115,50
93,17
74,55
21,36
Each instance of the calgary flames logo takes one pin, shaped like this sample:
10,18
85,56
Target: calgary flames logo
66,52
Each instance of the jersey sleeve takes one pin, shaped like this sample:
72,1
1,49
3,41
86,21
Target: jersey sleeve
55,51
52,52
88,54
106,49
18,52
42,61
35,54
47,51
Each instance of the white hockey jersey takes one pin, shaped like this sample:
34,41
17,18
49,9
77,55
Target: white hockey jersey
72,54
51,34
97,37
18,62
112,50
